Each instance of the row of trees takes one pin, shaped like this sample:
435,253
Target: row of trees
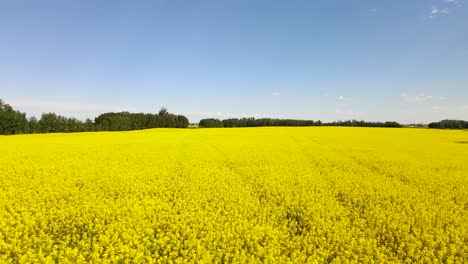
129,121
210,122
252,122
356,123
15,122
449,124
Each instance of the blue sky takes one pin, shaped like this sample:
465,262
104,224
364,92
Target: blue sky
329,60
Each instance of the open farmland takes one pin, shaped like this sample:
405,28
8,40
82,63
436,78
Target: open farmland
277,195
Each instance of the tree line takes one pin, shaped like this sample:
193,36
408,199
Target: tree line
449,124
253,122
15,122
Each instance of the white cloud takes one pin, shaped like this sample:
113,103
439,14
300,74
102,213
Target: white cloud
276,94
346,114
343,98
195,116
436,107
62,106
444,10
436,11
416,98
68,108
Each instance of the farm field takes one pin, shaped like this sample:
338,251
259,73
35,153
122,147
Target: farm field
242,195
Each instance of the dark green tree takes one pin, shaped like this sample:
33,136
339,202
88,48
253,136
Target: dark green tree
449,124
11,121
210,122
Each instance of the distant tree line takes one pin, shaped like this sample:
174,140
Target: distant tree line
129,121
449,124
356,123
15,122
210,122
252,122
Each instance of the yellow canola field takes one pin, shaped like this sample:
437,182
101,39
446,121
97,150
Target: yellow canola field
245,195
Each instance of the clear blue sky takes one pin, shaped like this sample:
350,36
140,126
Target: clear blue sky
330,60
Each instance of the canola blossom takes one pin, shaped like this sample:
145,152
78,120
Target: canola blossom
241,195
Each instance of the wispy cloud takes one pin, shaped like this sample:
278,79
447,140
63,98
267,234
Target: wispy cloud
415,98
75,108
443,9
346,114
436,11
224,115
344,98
276,94
60,106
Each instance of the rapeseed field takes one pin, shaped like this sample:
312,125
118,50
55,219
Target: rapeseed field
245,195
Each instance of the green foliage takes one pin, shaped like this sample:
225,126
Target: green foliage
182,121
449,124
51,122
362,123
15,122
210,122
11,121
261,122
33,125
252,122
124,121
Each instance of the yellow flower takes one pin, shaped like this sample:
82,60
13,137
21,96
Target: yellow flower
246,195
